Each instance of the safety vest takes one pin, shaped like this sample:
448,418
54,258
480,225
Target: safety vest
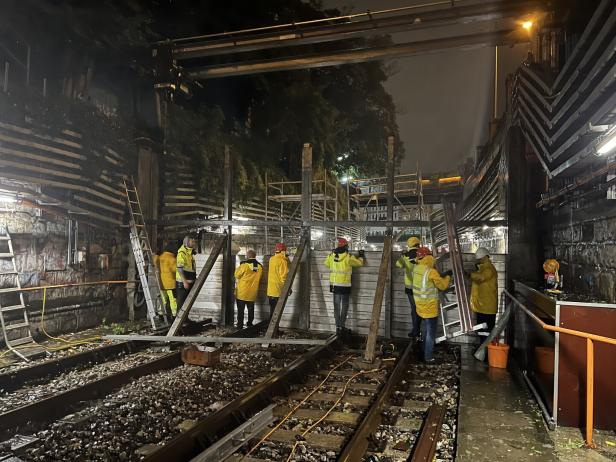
408,262
185,260
167,268
248,276
341,268
423,288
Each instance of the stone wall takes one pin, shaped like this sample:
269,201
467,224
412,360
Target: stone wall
40,245
586,250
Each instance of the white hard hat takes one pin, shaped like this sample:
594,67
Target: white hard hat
482,252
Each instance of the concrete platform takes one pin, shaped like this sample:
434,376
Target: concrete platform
500,421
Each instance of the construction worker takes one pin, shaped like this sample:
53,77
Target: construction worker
248,277
341,265
484,289
277,274
185,274
407,261
426,283
167,266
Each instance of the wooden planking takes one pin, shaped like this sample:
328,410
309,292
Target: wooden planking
321,310
361,401
345,418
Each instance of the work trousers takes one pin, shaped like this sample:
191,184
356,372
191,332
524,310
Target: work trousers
489,319
428,332
171,304
272,304
241,304
341,309
182,293
414,316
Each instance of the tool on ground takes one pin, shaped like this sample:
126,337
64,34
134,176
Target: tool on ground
13,312
144,258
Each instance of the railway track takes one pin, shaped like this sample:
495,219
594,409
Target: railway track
322,408
128,419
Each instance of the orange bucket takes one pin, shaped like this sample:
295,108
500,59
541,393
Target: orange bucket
544,357
498,354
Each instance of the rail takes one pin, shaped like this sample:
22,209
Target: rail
590,362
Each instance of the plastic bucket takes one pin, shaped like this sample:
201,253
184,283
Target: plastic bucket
544,358
497,355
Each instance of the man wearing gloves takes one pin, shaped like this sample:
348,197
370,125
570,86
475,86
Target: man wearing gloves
407,261
277,275
426,283
341,265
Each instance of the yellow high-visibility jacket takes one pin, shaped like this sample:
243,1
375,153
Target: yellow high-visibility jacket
167,267
277,274
248,276
408,262
484,288
426,283
185,260
341,268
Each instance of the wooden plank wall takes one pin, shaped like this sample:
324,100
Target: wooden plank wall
321,308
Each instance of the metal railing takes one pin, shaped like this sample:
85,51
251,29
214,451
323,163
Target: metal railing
590,360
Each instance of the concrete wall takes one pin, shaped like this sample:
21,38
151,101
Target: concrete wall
40,248
208,302
586,250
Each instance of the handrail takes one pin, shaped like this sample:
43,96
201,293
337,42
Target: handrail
590,362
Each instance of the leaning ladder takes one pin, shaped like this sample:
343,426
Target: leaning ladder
455,310
144,259
13,314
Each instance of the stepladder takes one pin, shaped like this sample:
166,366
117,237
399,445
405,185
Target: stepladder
14,321
455,312
144,258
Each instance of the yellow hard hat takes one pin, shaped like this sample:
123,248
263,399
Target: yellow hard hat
413,241
551,266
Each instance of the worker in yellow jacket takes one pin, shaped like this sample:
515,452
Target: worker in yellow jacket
484,289
277,274
426,283
167,266
341,265
248,277
408,261
186,271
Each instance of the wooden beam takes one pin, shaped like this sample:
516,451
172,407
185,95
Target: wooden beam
228,265
218,339
194,292
306,204
378,300
272,329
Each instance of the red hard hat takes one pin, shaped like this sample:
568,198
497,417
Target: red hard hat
342,242
423,252
280,247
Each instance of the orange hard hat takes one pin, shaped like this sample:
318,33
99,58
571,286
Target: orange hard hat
342,242
423,252
280,247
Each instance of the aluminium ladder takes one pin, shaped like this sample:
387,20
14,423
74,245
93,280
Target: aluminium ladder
144,258
455,310
13,312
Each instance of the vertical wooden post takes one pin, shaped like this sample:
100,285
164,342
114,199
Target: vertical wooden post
266,229
304,317
390,232
390,183
228,266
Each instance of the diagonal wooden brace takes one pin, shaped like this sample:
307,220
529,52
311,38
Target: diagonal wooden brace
194,292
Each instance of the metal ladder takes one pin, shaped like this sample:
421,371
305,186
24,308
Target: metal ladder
455,310
144,259
13,312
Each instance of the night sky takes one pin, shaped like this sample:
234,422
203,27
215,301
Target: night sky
444,100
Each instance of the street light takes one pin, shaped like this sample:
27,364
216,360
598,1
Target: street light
528,25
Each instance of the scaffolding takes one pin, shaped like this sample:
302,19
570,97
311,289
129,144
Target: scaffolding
283,198
367,200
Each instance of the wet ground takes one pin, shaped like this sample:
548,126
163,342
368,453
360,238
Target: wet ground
500,421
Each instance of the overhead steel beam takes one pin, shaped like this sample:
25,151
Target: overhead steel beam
330,223
335,58
442,15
